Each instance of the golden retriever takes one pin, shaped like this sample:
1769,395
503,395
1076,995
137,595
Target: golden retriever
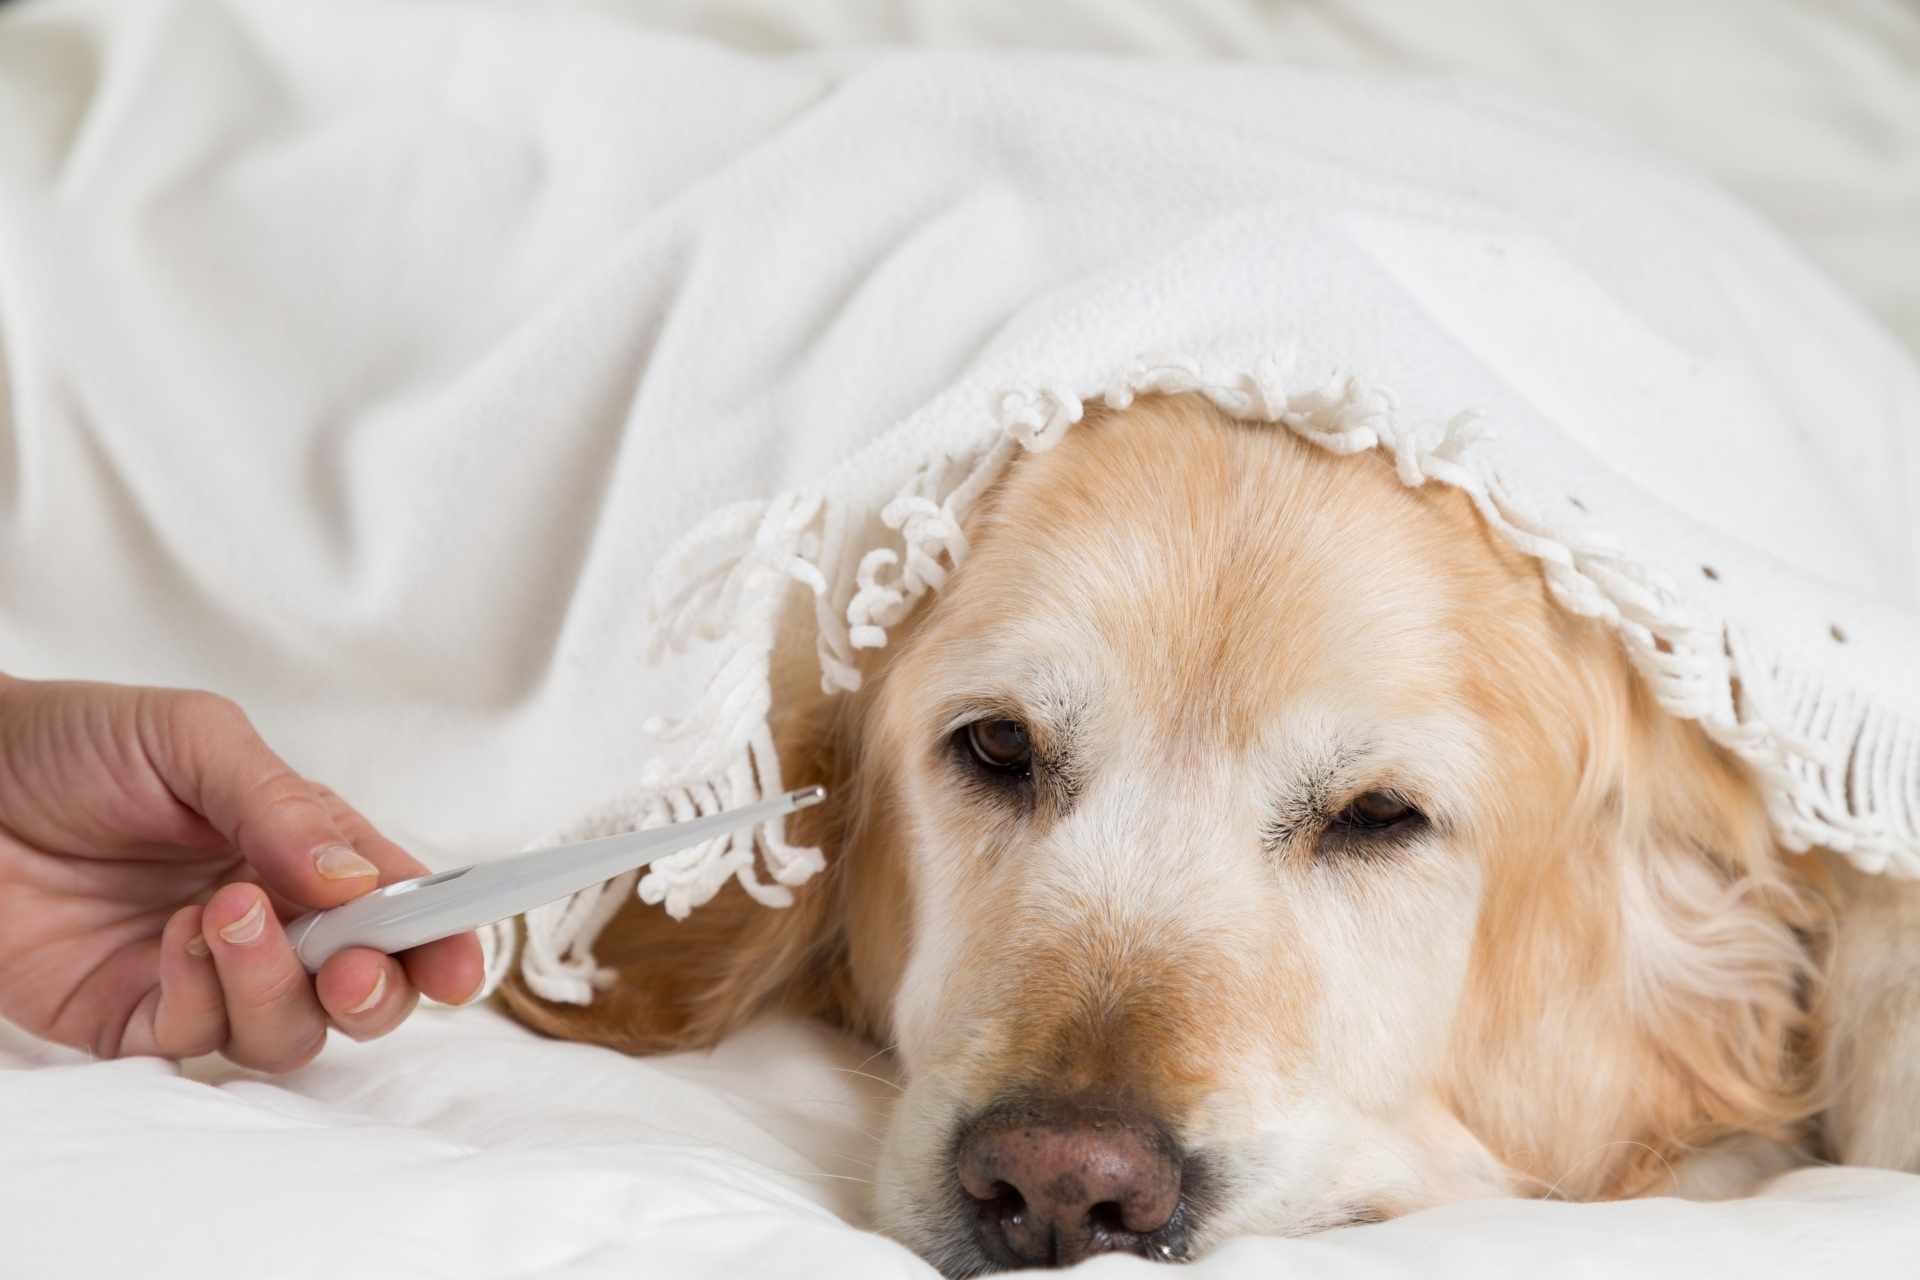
1242,842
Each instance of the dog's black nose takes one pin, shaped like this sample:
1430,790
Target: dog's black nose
1055,1182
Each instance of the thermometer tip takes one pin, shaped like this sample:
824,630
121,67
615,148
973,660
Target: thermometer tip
806,797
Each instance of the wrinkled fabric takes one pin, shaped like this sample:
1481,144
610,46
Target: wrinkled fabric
363,361
463,1146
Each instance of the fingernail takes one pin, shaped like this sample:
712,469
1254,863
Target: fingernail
197,947
246,931
338,862
373,996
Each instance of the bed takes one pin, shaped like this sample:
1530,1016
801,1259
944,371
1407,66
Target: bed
468,712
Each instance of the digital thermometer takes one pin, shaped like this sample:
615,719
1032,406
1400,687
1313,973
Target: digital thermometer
427,908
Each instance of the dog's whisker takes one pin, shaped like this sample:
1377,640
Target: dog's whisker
838,1155
881,1052
834,1177
868,1075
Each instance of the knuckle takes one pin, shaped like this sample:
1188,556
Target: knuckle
278,788
270,800
199,710
289,987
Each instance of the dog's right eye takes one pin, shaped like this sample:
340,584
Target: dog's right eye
1000,745
1375,811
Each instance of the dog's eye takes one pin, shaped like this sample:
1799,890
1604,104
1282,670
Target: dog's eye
1376,811
1000,745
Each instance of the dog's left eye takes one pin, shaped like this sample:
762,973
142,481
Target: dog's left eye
1000,745
1375,811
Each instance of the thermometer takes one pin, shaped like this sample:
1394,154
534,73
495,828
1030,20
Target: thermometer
427,908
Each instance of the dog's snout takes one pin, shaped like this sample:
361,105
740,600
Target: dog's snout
1052,1183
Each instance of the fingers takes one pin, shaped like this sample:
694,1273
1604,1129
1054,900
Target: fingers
209,756
366,993
312,850
229,981
449,970
274,1019
190,1015
393,862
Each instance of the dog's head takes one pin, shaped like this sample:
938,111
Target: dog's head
1243,842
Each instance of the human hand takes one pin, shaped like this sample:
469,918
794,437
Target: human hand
150,847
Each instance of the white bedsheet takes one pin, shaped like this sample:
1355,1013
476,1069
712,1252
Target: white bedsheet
463,1146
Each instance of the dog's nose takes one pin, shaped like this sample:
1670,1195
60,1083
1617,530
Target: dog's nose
1052,1183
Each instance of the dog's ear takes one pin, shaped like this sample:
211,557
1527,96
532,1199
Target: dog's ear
835,953
1721,935
684,984
1645,954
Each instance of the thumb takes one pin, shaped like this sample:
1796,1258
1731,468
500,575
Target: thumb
208,754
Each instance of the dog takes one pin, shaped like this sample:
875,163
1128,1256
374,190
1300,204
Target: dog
1243,842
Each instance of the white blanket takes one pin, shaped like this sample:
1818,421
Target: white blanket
360,362
1808,110
463,1147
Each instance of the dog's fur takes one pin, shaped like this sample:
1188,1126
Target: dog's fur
1588,972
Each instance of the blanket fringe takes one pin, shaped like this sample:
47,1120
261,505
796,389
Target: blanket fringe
1841,773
